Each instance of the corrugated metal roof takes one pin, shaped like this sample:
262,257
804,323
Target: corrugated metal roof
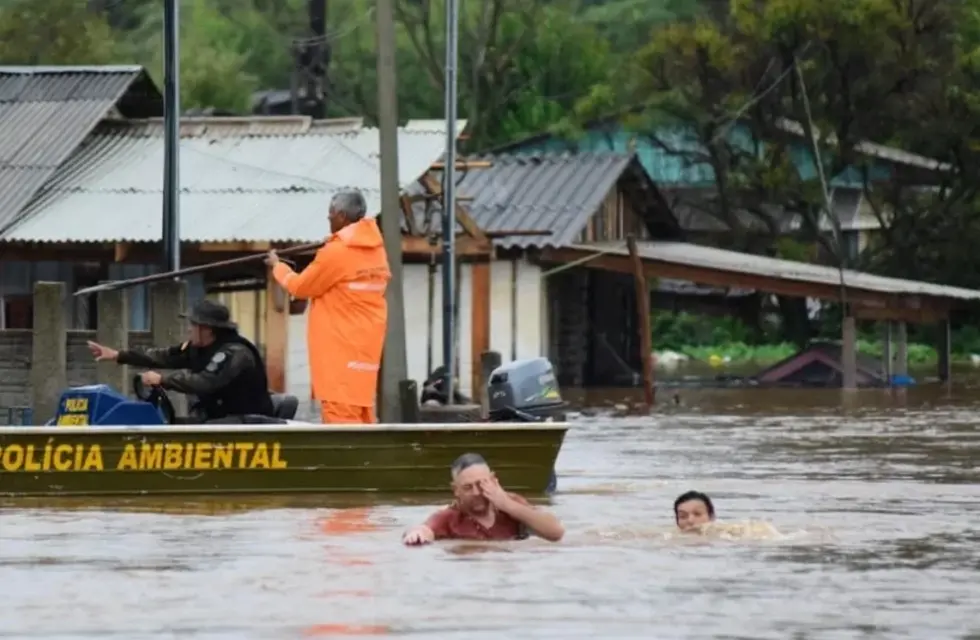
45,112
693,255
557,193
258,178
674,155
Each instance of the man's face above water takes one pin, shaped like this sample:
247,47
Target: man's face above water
466,488
691,514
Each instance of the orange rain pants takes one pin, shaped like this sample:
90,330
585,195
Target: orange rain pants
338,413
347,321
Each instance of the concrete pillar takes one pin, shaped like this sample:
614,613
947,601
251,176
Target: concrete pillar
886,351
168,299
901,349
49,354
943,347
849,353
112,330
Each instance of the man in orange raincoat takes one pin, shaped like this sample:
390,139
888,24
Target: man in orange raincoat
346,283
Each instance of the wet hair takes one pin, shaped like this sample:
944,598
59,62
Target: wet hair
694,495
349,202
465,461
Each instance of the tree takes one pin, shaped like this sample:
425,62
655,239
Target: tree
522,64
742,88
627,24
53,32
932,233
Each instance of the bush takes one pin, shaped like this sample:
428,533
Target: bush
727,337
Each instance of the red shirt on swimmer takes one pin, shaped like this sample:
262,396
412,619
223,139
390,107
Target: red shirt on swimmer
483,510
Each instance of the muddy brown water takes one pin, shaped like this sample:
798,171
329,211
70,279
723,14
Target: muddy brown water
844,517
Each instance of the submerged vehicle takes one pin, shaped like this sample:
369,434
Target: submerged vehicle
104,443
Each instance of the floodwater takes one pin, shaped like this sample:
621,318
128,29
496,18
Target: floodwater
854,517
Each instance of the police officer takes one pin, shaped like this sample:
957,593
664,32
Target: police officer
224,370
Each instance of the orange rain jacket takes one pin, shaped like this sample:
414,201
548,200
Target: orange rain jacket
346,283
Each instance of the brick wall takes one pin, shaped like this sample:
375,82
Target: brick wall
15,364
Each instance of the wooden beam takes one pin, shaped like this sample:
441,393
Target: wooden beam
643,321
463,165
276,334
70,252
469,226
234,247
465,246
423,197
722,278
479,323
515,232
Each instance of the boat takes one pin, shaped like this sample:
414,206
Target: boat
102,443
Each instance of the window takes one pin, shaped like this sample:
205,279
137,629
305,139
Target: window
17,312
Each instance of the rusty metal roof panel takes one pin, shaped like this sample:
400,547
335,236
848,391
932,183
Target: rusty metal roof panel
45,112
255,185
555,192
693,255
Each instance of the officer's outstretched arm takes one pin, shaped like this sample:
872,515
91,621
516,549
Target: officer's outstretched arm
176,357
221,370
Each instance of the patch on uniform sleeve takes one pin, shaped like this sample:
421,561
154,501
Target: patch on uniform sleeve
217,361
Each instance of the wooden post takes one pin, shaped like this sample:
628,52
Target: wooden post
643,316
49,350
848,357
901,349
943,347
408,393
886,351
479,323
276,334
489,361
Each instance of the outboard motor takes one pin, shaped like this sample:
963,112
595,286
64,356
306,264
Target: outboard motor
526,391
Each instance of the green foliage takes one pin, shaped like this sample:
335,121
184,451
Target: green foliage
522,64
705,338
901,73
54,32
678,330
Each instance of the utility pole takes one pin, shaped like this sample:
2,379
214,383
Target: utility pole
449,206
394,367
171,140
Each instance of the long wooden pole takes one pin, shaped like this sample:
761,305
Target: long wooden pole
169,275
643,316
299,249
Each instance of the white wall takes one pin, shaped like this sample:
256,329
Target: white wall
527,342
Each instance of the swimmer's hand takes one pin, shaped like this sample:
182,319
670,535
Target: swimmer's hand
418,536
495,494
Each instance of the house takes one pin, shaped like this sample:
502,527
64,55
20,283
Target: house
583,320
561,282
81,196
675,161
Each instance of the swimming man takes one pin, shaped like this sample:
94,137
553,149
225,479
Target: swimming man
483,510
693,509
